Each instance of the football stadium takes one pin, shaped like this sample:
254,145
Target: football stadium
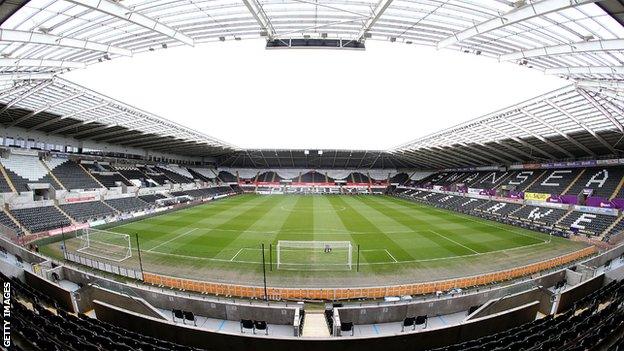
122,230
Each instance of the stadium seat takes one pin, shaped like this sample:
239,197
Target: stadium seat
39,219
261,325
71,175
87,211
247,324
422,320
409,322
347,327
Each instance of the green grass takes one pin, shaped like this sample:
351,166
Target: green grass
399,240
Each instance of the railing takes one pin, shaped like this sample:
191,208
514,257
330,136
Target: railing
103,266
364,292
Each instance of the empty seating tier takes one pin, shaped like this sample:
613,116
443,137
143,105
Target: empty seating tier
132,173
86,211
110,180
39,219
227,177
174,176
152,198
554,181
602,181
25,169
588,223
545,215
357,177
72,176
201,175
128,204
492,180
313,177
399,178
6,221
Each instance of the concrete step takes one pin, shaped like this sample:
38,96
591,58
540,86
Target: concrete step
315,326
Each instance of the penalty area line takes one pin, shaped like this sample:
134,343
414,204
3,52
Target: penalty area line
238,253
453,241
392,257
172,239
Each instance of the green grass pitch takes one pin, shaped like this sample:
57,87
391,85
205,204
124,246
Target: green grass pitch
399,241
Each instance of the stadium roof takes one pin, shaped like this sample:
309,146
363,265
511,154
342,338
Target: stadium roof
314,159
573,38
57,106
581,40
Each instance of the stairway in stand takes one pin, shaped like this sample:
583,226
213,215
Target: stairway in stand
315,325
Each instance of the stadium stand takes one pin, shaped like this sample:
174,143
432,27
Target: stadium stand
452,178
500,208
24,169
176,174
132,173
42,325
432,179
6,221
591,322
554,181
128,204
4,185
313,177
87,211
71,175
39,219
520,180
603,181
492,179
154,175
151,199
399,178
226,177
544,215
586,223
357,177
203,174
111,180
106,175
269,177
473,179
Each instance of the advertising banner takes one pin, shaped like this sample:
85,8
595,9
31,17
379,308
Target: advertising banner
536,196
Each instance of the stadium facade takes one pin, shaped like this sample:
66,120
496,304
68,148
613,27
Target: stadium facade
123,230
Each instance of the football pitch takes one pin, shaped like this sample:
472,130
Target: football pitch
392,240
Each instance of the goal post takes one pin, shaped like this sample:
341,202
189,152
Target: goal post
314,255
103,244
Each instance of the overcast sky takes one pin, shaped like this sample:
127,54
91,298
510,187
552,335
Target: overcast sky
256,98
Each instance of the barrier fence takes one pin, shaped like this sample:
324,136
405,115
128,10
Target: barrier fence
103,265
364,292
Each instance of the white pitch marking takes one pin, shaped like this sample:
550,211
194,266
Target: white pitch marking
172,239
468,217
363,264
453,241
239,251
389,254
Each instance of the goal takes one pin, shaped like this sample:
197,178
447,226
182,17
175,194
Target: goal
314,255
104,244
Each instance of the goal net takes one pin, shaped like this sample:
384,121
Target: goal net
314,255
104,244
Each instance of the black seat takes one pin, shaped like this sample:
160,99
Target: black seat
247,324
422,320
189,316
261,325
347,326
178,314
409,322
